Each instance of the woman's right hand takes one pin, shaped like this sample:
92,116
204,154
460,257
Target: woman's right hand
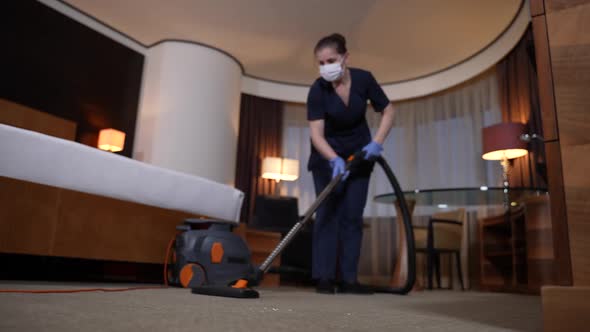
339,167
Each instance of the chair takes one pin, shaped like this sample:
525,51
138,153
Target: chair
279,214
275,213
443,235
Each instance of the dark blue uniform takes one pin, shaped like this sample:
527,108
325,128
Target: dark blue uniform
338,225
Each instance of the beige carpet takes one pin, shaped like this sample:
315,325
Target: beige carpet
284,309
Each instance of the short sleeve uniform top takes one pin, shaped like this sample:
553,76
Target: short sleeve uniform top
345,127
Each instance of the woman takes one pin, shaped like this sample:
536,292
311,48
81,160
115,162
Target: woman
336,107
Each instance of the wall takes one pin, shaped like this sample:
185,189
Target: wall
53,63
189,113
568,30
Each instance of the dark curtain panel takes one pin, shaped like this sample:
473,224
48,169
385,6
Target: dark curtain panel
261,130
519,100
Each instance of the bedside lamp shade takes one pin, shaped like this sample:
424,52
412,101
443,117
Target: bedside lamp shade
502,141
271,168
290,171
111,140
278,169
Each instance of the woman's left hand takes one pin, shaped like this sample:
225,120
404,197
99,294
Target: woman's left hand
372,150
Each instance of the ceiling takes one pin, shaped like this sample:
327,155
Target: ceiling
397,40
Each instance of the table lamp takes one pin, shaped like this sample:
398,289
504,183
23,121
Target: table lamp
111,140
503,142
280,169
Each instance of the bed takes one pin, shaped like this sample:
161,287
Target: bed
63,198
43,159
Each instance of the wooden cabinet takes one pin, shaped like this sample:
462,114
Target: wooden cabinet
503,251
261,244
516,252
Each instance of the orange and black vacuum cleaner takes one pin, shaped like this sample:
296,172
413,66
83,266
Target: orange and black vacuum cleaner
215,261
212,259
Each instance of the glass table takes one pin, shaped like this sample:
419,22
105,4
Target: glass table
471,196
435,199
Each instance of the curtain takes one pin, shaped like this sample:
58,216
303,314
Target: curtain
260,135
435,143
519,100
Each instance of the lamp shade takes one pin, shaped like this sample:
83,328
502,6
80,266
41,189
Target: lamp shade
111,140
271,168
502,141
278,169
290,171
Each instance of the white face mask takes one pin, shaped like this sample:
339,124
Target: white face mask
331,71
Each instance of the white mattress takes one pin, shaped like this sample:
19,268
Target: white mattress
34,157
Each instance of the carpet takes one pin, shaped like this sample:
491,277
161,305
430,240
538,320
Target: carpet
278,309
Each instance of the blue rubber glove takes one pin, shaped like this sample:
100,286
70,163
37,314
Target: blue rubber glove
372,150
339,167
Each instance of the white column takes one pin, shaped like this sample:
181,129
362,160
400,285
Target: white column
189,111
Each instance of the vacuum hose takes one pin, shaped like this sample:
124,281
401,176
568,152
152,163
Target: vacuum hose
351,164
409,232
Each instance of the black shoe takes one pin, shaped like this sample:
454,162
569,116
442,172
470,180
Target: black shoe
325,287
355,288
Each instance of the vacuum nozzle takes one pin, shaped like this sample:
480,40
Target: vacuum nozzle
242,283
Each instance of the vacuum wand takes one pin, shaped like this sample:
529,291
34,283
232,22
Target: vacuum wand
352,162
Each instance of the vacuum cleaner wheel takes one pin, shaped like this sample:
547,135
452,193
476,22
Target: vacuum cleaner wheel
192,275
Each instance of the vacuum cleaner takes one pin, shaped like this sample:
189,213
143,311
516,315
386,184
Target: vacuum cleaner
215,261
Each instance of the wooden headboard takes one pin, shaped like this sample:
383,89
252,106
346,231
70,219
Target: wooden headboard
24,117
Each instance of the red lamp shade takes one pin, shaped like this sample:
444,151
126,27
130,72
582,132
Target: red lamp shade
502,141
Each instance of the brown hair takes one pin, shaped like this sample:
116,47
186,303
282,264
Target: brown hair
335,40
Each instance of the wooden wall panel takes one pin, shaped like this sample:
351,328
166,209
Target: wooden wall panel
28,216
576,163
568,26
41,220
566,309
20,116
557,5
545,79
103,228
537,7
571,68
541,265
558,214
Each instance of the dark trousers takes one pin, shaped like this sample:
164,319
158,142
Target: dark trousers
338,228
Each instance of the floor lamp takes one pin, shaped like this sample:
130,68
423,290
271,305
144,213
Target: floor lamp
503,142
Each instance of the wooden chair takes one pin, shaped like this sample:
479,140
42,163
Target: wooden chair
443,235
